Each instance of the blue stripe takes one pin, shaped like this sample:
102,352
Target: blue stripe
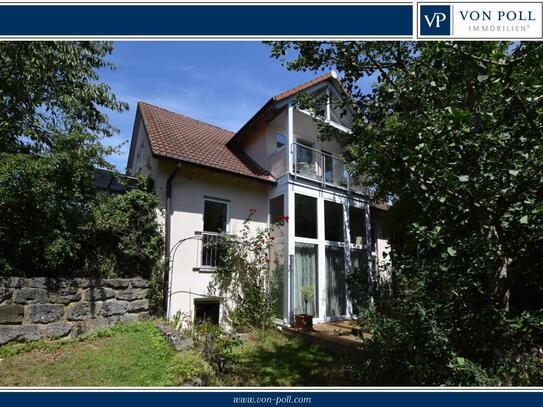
321,399
178,20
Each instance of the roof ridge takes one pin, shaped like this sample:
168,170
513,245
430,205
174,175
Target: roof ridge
185,116
307,84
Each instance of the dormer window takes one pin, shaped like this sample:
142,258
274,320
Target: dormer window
280,140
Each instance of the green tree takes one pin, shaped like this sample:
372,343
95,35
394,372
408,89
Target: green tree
53,123
128,235
53,87
451,134
46,206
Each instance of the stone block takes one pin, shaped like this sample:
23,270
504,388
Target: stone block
64,296
99,294
8,333
28,295
5,294
58,330
11,282
139,283
178,341
11,314
36,282
44,313
114,307
117,282
80,311
138,305
19,332
132,294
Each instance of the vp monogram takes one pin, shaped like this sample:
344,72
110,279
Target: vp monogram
436,18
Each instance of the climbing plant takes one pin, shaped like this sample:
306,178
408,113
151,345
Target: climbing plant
244,278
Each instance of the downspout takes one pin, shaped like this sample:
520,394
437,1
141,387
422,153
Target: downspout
167,245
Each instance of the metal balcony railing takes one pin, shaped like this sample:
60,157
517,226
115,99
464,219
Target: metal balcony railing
212,250
324,168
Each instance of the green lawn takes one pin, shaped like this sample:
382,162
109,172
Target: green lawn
269,358
138,355
129,355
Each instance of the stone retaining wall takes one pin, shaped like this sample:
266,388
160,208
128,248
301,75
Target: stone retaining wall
35,308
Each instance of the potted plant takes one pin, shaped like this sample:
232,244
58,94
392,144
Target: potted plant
305,321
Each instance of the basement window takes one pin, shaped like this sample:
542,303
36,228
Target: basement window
206,311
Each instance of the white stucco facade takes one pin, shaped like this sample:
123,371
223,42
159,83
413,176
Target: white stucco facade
303,166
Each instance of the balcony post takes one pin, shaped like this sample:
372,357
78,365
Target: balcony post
328,113
290,138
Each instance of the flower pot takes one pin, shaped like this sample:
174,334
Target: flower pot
304,322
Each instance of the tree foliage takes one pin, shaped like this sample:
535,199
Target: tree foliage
53,87
128,234
53,122
451,134
46,206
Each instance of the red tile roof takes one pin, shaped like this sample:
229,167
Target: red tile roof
269,109
304,86
175,136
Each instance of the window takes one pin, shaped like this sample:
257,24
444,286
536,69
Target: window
215,214
306,216
357,225
215,221
305,274
357,281
333,221
206,311
336,299
280,140
277,208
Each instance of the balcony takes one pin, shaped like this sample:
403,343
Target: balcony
323,168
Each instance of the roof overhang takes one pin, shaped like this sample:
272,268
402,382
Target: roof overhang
275,106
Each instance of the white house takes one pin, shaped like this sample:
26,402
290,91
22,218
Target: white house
208,178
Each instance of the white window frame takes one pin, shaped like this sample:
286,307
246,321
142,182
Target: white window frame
201,267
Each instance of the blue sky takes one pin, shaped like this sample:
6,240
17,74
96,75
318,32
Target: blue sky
222,83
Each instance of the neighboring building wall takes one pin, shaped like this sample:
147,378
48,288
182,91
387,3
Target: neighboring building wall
189,190
382,248
144,163
35,308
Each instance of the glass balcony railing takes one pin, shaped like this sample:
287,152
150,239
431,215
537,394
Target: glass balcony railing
324,168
